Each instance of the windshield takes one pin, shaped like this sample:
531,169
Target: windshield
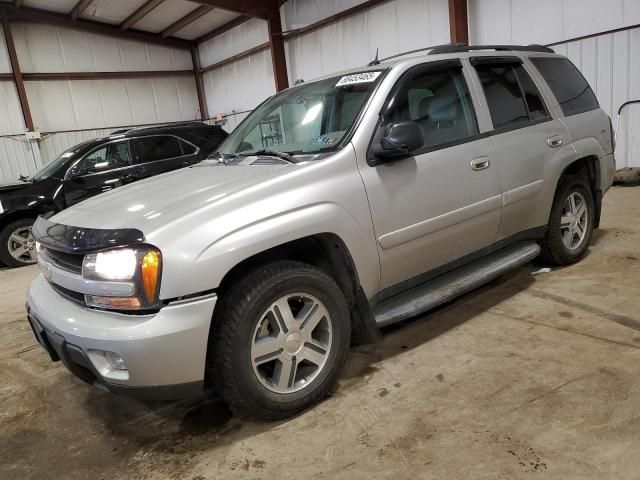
50,168
309,118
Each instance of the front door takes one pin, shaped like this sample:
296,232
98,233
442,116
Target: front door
104,168
445,202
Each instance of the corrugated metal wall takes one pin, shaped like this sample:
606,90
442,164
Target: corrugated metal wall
395,26
392,27
609,62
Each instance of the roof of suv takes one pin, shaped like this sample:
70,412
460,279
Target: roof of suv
455,50
163,128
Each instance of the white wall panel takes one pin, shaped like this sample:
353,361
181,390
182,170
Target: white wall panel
237,40
80,104
17,157
391,27
547,21
45,48
241,85
5,63
299,13
11,119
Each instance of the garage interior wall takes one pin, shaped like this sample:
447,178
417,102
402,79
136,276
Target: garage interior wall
67,112
610,61
391,27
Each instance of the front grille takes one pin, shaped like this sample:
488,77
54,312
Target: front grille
69,294
71,262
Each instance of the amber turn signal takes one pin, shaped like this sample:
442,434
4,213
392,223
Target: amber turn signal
150,272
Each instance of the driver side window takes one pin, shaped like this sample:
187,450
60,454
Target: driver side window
440,102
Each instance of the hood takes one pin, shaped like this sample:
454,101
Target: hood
11,187
158,201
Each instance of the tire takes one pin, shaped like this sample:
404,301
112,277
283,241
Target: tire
247,321
8,243
555,244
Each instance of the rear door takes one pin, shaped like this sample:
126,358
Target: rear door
526,138
445,202
158,154
102,169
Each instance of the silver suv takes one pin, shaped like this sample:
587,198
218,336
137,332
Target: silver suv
337,207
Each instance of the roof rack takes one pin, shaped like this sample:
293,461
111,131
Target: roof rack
463,47
458,48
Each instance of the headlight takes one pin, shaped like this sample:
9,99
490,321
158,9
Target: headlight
141,266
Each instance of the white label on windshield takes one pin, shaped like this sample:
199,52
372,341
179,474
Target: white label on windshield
364,77
67,155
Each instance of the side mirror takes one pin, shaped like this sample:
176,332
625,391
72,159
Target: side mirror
400,141
76,171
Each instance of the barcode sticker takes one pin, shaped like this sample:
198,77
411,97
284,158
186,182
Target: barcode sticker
364,77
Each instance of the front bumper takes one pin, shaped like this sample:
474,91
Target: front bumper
164,353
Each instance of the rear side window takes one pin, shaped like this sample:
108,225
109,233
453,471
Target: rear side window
512,95
151,149
568,85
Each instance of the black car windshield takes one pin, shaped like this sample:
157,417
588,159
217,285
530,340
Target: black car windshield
52,167
308,118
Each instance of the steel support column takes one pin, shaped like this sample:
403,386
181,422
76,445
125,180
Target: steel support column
17,74
458,21
276,42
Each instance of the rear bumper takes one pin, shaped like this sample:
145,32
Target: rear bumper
164,353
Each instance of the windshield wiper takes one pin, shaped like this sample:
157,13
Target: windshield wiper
271,153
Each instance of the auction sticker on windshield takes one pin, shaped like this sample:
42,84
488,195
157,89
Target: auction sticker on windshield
364,77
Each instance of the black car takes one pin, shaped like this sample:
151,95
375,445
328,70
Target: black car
94,167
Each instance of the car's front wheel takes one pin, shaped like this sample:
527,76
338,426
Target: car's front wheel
17,245
571,222
279,340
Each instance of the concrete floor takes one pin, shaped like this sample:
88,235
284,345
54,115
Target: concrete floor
529,376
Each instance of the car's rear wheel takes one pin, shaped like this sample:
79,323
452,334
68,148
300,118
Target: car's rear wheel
17,245
279,340
571,222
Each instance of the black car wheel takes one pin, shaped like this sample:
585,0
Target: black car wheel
17,245
571,222
279,340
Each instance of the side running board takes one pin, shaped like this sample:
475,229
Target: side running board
433,293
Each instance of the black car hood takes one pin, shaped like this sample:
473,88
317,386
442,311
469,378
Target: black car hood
10,187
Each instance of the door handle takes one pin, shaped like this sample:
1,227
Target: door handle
480,163
554,142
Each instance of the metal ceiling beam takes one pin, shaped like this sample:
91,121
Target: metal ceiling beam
60,20
251,8
139,13
106,75
222,29
17,74
186,20
80,7
458,21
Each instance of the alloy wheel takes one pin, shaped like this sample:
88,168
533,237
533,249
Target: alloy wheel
291,343
574,221
22,245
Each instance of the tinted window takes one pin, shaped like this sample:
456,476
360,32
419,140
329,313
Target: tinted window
108,157
568,85
440,103
150,149
187,148
535,104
